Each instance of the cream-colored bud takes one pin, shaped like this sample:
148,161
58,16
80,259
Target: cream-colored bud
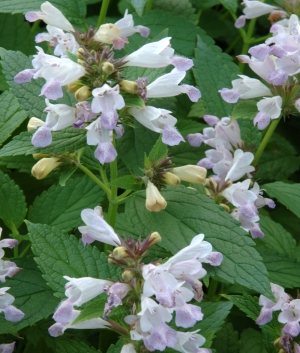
154,201
171,179
120,252
108,68
80,53
191,173
34,123
154,238
44,166
73,87
40,155
80,62
83,93
128,86
106,33
111,261
127,275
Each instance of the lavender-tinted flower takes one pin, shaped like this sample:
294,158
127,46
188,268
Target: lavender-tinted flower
83,114
7,347
116,293
290,316
7,268
11,313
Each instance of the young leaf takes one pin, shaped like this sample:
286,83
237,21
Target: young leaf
133,100
245,110
59,254
12,203
159,151
127,182
93,309
61,206
32,294
67,140
11,115
138,5
287,194
195,214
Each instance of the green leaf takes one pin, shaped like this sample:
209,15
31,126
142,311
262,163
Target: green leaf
59,254
245,110
70,346
67,140
159,151
11,116
60,206
195,214
226,340
252,342
213,70
250,135
72,56
93,309
276,237
74,10
32,294
22,163
28,94
133,100
279,160
287,194
12,203
127,182
181,8
6,326
213,319
116,348
138,5
282,269
16,33
197,110
230,5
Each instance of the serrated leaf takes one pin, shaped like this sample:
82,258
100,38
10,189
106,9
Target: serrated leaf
59,254
22,163
133,101
276,237
127,182
70,346
230,5
32,294
138,5
60,206
28,94
213,70
182,8
6,326
93,309
11,116
67,140
16,34
116,348
250,135
287,194
226,340
159,151
12,202
252,342
197,109
279,160
245,110
74,10
195,214
282,269
214,316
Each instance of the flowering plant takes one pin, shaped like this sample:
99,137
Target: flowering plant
153,202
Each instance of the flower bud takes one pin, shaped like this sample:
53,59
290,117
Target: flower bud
40,155
154,201
83,93
120,252
154,238
191,173
127,275
72,87
34,123
106,33
44,166
128,86
111,260
80,53
108,68
171,179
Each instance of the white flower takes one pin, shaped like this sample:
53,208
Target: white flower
97,228
269,108
290,316
10,312
50,15
255,9
240,165
244,88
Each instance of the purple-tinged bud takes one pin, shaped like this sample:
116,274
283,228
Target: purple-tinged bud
240,22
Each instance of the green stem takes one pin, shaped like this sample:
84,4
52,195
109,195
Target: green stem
260,39
104,176
103,12
95,179
120,199
113,206
35,26
149,5
265,140
23,253
14,230
247,41
212,289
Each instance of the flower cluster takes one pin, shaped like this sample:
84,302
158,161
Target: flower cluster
230,163
84,63
152,293
277,63
289,316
